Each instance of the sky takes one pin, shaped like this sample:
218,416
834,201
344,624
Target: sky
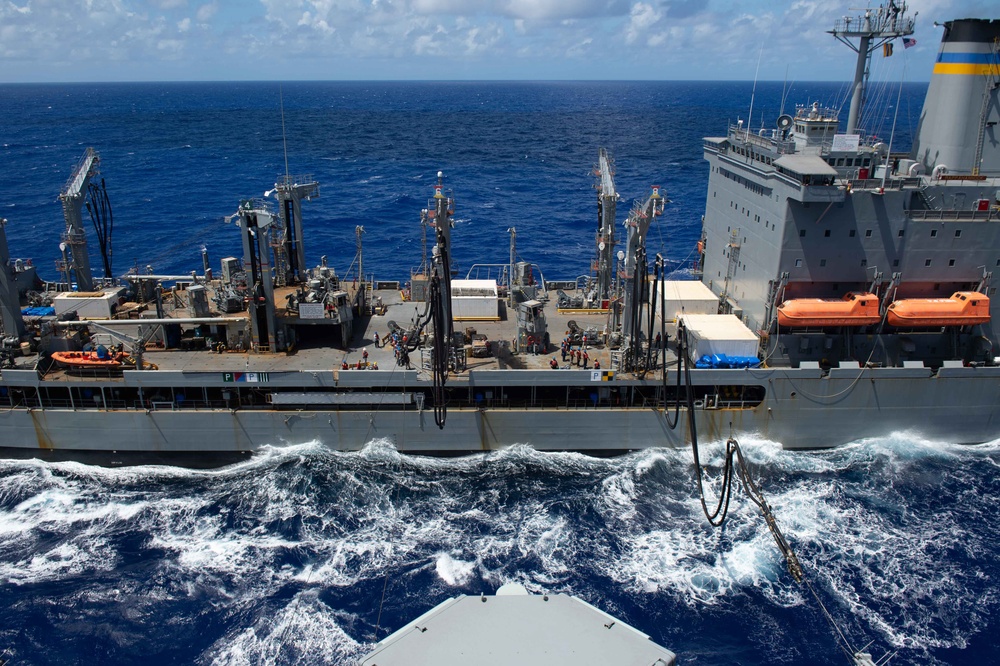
195,40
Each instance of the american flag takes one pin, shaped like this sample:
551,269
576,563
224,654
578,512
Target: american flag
907,42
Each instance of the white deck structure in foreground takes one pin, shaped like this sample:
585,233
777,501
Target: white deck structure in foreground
515,627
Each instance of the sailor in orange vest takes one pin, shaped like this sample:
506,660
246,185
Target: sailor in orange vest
553,364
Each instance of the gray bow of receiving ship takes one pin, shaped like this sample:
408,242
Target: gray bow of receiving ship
808,212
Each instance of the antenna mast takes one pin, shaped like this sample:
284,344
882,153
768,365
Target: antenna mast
874,28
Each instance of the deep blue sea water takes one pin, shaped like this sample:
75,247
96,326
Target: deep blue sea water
283,559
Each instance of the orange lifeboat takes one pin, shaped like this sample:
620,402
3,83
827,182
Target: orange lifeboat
90,360
856,308
963,308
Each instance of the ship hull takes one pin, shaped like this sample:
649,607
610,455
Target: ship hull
803,409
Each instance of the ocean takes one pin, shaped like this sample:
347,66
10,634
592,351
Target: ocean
303,555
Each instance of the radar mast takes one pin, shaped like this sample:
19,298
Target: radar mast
877,26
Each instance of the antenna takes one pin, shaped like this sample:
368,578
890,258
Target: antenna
784,93
892,134
284,141
754,91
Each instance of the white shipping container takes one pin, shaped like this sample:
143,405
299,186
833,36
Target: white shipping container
474,300
683,297
718,334
88,304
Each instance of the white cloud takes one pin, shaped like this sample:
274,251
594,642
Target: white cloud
170,47
560,9
206,12
641,19
580,49
480,41
512,38
430,43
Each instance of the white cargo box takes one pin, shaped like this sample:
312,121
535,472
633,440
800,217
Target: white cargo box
718,334
684,297
88,304
473,300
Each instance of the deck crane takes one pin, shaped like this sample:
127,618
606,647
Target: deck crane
607,200
256,222
10,307
290,254
73,197
634,270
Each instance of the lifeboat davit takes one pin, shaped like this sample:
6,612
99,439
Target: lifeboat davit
963,308
88,359
856,308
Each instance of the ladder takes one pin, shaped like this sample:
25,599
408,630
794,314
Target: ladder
992,82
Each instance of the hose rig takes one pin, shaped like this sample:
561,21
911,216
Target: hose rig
634,272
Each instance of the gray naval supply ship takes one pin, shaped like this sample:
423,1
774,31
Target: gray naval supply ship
847,292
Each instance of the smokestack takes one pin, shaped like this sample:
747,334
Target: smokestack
957,130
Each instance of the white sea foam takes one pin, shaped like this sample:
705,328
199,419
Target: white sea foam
304,516
454,572
305,630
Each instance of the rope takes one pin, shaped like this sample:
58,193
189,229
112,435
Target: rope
378,621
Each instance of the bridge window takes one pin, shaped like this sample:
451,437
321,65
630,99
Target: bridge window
958,233
951,262
853,233
927,262
933,233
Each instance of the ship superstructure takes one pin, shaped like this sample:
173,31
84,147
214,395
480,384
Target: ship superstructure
804,211
847,291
